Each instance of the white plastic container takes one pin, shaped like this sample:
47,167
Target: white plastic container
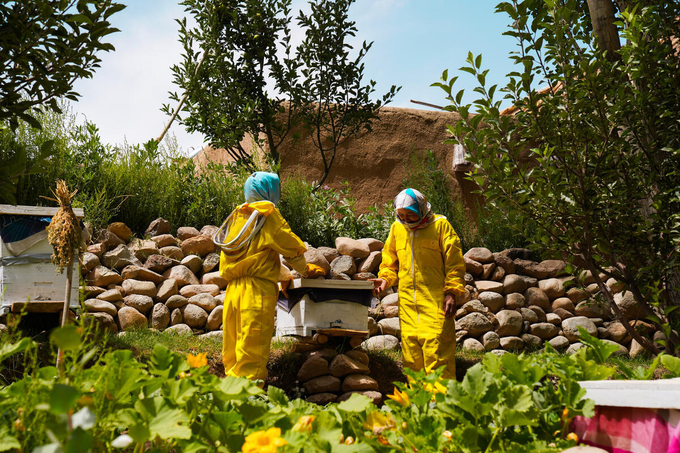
307,316
35,283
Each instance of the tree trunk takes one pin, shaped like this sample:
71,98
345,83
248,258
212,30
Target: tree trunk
602,15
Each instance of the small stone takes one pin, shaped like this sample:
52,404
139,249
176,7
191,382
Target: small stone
528,315
139,302
491,340
91,291
602,332
111,295
489,285
509,323
563,314
532,341
513,283
540,314
214,278
512,343
615,286
192,290
473,267
198,245
530,268
132,286
498,274
209,231
559,342
352,247
210,262
390,312
536,296
215,334
89,262
104,322
552,287
186,233
97,249
476,324
141,273
564,303
166,290
474,306
118,258
100,306
313,367
176,301
109,240
343,365
182,275
329,253
121,230
203,300
576,295
143,249
176,317
164,240
358,382
592,309
158,226
179,329
374,245
343,265
102,276
322,384
327,354
215,319
552,318
505,263
159,263
372,326
356,354
315,256
494,301
554,268
390,326
381,342
371,262
622,351
194,316
193,262
544,330
628,305
129,318
480,254
570,327
472,344
322,399
574,347
160,317
173,252
513,301
391,300
488,270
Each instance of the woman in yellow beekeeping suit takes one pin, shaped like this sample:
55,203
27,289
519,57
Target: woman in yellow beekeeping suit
251,239
423,254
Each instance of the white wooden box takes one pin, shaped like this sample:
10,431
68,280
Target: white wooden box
36,282
308,316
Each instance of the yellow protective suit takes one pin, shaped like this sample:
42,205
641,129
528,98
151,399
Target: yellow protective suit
252,293
428,263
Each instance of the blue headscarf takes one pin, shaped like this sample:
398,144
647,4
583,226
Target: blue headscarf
414,201
262,186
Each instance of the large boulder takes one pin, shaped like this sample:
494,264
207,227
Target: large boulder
491,340
192,290
142,249
214,278
352,247
354,382
570,327
390,326
513,301
509,323
492,300
473,267
211,262
472,344
164,240
89,262
512,343
194,316
193,262
204,300
374,245
475,324
121,230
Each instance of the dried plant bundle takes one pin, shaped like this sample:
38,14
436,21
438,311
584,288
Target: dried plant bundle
64,232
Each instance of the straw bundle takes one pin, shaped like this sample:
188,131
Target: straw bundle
64,232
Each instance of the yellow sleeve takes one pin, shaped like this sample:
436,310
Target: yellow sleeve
389,268
287,243
454,264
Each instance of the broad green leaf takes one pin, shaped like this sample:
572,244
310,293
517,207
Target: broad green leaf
162,420
599,350
476,381
7,441
66,338
355,403
277,396
164,362
515,408
179,391
672,364
9,349
80,441
238,388
253,411
62,398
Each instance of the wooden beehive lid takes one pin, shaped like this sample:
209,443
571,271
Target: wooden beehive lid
330,284
656,394
35,210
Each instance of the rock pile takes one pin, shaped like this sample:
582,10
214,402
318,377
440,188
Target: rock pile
512,303
165,282
328,377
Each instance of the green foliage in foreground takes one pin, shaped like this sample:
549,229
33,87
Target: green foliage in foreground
112,401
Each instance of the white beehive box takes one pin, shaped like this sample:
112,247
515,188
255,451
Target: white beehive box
308,316
34,282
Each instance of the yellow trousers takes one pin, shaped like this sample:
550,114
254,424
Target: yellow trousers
422,350
248,326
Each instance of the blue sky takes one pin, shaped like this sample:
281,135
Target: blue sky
414,41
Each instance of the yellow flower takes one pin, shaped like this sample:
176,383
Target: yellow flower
378,421
565,413
400,397
436,388
404,426
572,436
304,425
263,441
447,434
382,440
349,440
198,360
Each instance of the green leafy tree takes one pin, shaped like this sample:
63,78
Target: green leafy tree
335,105
604,139
242,77
46,46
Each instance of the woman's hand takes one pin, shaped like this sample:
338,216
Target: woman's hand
379,285
449,306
